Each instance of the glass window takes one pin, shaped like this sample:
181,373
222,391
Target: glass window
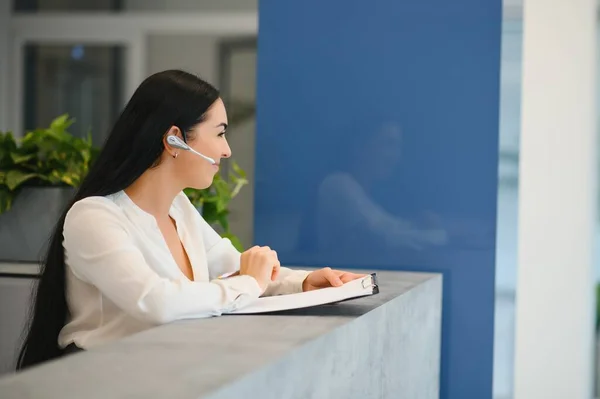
84,81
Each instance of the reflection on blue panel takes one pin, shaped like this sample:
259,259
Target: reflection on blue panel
377,147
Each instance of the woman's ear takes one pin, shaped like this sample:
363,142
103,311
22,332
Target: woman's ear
173,131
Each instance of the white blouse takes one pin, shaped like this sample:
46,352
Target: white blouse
121,277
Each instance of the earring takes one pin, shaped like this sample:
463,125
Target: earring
175,155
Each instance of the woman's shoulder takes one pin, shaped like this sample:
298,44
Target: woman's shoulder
91,208
93,221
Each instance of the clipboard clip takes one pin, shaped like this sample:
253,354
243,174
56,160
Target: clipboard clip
370,281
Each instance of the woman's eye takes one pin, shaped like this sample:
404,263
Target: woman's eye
221,134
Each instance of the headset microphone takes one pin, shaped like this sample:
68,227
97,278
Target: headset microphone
176,142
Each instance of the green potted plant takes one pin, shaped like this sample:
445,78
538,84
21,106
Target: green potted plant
39,173
43,158
37,177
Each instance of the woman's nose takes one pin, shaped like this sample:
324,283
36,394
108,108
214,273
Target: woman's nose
227,152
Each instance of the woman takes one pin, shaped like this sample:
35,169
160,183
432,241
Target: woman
131,252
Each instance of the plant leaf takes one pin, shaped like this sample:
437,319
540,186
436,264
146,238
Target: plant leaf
209,212
6,197
222,219
238,186
20,158
14,178
239,171
61,123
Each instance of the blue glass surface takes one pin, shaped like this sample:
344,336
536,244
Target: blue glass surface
377,147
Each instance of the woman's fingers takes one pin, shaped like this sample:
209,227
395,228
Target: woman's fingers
276,267
333,278
348,276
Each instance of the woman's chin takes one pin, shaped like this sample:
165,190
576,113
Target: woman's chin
201,185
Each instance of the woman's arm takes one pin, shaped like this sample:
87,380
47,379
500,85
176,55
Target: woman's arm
223,258
100,251
288,282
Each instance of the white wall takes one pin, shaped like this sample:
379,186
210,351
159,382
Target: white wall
191,52
554,330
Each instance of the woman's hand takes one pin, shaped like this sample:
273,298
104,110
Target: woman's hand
326,277
261,263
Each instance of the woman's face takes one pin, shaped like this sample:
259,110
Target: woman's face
208,138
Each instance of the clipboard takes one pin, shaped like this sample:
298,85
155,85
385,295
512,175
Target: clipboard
359,288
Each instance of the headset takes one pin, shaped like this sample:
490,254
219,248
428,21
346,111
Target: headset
176,142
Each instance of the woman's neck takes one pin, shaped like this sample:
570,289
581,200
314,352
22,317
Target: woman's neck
154,193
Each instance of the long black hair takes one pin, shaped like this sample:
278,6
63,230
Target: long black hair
165,99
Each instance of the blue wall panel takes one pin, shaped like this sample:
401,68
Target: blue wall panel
377,147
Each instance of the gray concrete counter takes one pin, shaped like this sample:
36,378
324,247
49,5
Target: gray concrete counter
386,345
